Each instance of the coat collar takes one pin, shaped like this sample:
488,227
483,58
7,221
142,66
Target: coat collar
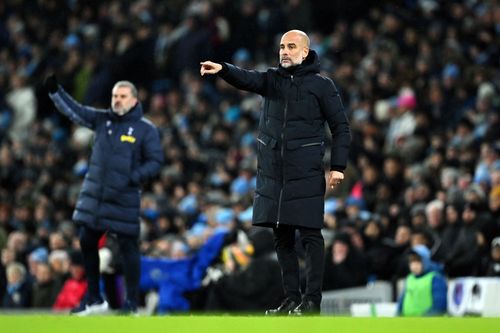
133,115
310,65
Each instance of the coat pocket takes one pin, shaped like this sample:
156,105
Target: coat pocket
267,141
303,143
266,154
304,158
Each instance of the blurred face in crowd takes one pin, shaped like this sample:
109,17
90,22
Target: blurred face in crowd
77,271
17,241
8,256
415,265
57,241
391,167
122,100
451,215
403,234
340,252
468,215
59,264
434,215
14,274
294,48
418,220
495,253
370,175
43,273
372,230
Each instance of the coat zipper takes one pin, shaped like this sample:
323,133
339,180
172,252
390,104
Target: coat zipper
282,157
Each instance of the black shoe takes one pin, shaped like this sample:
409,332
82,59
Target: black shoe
306,308
284,309
128,309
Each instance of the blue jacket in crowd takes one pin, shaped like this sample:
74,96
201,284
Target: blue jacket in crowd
429,285
126,151
173,277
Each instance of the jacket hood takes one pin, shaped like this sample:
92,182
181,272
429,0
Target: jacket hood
425,255
309,65
134,114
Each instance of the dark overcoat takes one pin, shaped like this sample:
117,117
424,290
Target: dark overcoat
291,140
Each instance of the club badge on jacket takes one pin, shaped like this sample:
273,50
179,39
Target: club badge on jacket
128,137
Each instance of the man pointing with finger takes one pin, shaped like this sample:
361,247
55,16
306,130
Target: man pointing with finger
290,190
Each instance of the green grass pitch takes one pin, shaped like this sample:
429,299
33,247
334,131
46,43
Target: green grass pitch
242,324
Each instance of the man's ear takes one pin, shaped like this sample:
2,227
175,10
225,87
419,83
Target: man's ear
305,52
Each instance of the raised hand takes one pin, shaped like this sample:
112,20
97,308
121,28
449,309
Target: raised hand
50,83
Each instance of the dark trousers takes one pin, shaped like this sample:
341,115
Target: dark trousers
129,247
313,244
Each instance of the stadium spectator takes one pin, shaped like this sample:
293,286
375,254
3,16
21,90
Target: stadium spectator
425,288
491,266
18,290
45,287
464,258
345,266
74,288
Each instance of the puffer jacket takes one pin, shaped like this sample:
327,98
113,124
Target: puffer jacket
291,140
126,152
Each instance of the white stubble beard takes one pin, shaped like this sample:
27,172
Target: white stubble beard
120,110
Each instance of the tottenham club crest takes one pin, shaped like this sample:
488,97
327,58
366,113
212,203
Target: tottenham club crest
129,137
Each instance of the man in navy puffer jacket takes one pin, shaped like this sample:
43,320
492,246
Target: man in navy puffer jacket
126,152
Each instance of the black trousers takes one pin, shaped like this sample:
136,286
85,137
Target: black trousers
129,247
313,244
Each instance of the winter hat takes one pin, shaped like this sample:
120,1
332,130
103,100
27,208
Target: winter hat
40,255
407,99
421,251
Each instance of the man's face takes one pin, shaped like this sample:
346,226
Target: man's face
293,49
122,100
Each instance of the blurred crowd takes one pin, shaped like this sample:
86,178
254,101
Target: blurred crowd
419,79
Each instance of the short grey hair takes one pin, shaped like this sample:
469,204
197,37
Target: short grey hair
128,84
16,268
435,204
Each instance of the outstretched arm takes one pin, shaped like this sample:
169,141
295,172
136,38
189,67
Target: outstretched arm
79,114
249,80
